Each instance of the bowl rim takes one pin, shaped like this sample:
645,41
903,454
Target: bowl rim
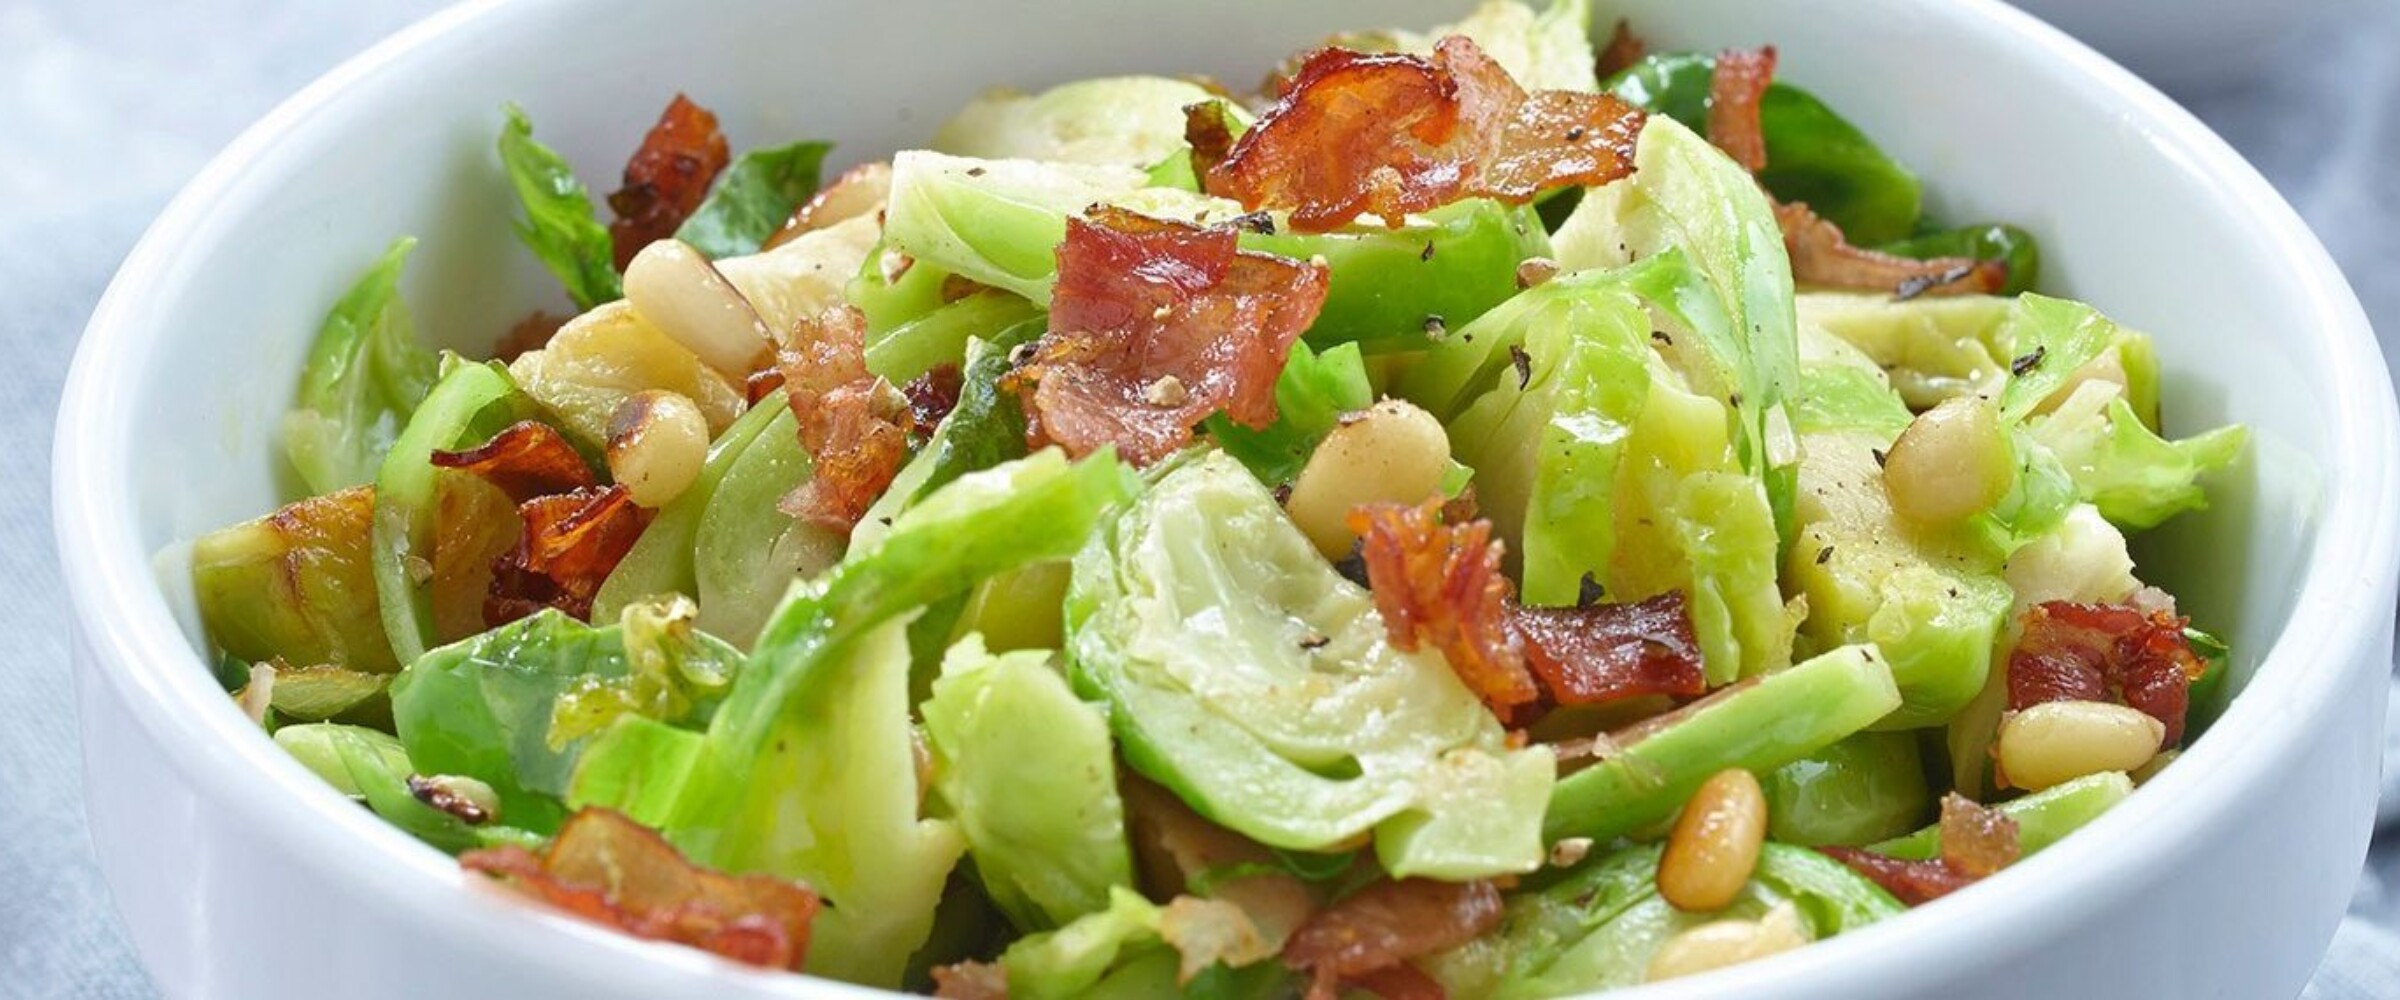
137,650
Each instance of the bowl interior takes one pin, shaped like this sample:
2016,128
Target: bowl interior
200,360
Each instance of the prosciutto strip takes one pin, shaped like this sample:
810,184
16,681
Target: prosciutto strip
575,530
571,542
853,424
1389,134
1440,585
2105,652
527,460
1605,652
1821,255
1735,92
1976,842
1154,326
615,872
667,178
1624,48
1368,938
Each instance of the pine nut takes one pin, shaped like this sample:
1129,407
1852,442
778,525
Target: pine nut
1715,843
657,441
2060,741
1391,451
678,291
861,190
1720,943
1951,462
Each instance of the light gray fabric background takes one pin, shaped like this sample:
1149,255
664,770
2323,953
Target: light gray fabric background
107,106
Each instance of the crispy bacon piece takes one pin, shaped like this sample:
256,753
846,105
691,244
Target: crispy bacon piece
1389,134
854,424
1155,325
1976,841
2105,652
1604,652
932,396
1399,982
667,177
1624,48
762,383
1822,256
1440,585
1735,91
570,543
527,460
530,334
1204,129
613,871
1385,925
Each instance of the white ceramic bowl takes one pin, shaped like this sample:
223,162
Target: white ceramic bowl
240,875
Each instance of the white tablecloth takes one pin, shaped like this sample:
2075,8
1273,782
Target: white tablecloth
106,106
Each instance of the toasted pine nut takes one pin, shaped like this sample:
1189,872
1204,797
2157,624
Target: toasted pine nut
1950,463
1720,943
1715,843
657,441
860,190
678,291
2059,741
1391,451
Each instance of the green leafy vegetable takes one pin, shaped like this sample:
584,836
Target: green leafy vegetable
2136,478
1311,395
514,706
1813,154
1742,349
1760,725
1598,926
1593,466
560,225
365,374
1551,50
804,769
1932,601
752,198
940,337
2042,817
1396,289
999,222
1029,774
1131,121
746,552
661,560
371,766
986,428
1864,788
470,404
1280,710
297,585
1990,241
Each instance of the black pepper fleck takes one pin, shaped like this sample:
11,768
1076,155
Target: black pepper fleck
2028,361
1524,363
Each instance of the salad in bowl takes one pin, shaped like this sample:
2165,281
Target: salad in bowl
1490,511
